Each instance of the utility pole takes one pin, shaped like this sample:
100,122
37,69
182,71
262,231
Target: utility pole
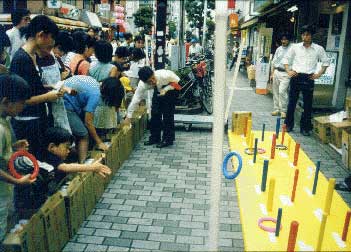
181,55
204,25
161,18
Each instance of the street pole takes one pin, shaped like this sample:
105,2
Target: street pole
181,55
218,122
161,18
204,25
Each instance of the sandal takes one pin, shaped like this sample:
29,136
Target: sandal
342,187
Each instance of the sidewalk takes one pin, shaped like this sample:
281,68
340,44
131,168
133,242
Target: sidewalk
159,199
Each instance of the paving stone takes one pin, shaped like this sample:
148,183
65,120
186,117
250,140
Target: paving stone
139,221
177,231
90,239
115,219
134,235
96,248
127,227
117,242
158,216
146,244
150,229
161,237
86,231
170,246
165,223
74,247
190,239
130,214
96,224
107,233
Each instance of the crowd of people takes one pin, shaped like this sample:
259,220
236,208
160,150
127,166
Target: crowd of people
62,91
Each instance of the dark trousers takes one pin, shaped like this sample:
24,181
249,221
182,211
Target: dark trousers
33,131
306,86
233,61
162,116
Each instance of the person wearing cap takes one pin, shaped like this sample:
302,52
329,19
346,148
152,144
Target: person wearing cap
280,77
300,63
195,48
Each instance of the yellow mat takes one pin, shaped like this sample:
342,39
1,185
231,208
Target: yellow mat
307,209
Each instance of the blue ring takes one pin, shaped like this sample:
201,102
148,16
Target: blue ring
225,163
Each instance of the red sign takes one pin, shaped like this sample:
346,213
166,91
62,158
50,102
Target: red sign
231,4
104,1
64,10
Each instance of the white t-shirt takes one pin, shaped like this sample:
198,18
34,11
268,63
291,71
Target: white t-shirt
16,41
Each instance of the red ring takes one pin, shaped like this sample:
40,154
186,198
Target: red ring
24,154
268,229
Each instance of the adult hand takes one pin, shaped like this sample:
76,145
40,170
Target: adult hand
127,122
292,73
103,170
53,95
102,146
163,92
25,180
21,145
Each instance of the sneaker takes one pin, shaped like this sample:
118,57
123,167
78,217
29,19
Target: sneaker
275,113
282,115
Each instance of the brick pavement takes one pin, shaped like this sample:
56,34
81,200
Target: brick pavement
159,199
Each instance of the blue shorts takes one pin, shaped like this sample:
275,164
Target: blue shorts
77,125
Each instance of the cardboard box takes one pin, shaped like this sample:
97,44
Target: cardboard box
89,192
74,203
336,132
346,148
321,128
30,239
348,103
238,121
56,229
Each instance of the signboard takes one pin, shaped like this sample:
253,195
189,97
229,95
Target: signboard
54,4
259,5
328,77
69,11
91,18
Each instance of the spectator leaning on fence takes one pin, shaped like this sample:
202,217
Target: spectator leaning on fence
300,63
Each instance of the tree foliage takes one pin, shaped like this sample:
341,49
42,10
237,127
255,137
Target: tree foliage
172,29
143,19
194,10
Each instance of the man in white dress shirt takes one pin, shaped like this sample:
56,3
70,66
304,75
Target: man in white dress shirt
281,79
20,18
300,63
164,83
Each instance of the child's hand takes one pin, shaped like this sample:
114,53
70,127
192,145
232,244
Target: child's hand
102,146
100,168
25,180
20,145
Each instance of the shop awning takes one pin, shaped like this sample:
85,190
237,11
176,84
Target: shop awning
249,23
91,19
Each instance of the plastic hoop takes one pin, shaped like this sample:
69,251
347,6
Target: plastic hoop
281,147
268,229
21,153
225,163
250,151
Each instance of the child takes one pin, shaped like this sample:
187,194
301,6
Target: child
13,93
137,62
56,147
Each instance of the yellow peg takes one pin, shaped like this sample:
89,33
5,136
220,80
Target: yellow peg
248,131
321,232
329,198
270,194
251,141
289,146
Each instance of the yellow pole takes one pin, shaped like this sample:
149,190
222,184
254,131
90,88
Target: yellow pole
248,131
270,194
321,232
289,146
329,198
251,141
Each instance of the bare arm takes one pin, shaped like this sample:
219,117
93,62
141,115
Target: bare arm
48,97
94,167
89,123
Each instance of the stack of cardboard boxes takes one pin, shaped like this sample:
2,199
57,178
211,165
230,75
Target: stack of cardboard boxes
62,214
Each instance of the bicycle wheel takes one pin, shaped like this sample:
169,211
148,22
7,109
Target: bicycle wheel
206,96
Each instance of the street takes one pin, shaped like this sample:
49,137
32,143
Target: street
159,199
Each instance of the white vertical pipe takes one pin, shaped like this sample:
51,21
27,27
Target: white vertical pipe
204,25
218,121
236,71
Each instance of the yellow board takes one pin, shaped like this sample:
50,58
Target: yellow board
307,209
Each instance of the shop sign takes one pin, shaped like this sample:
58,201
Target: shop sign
53,4
233,20
259,5
328,77
69,11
